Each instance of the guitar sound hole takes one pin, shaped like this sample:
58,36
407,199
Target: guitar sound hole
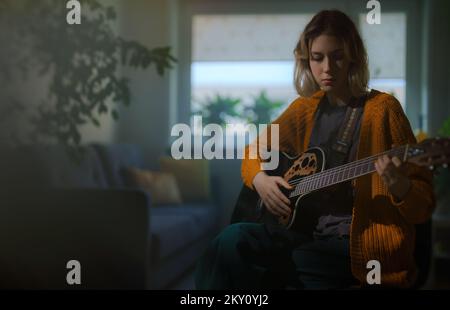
305,162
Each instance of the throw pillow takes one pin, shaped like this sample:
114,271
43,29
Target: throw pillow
192,177
163,187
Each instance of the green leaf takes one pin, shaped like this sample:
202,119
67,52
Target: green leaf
115,115
445,129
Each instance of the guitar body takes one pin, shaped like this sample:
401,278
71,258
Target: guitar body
249,207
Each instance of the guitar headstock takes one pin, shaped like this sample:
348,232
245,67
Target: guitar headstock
431,153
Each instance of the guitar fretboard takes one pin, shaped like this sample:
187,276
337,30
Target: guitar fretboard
342,173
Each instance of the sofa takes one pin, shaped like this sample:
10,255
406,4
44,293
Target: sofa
56,208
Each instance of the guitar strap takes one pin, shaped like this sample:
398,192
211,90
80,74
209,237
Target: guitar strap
341,147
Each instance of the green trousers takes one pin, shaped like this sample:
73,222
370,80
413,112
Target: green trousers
255,256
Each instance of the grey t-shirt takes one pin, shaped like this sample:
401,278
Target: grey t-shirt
334,214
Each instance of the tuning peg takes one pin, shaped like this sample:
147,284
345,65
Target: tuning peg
431,167
445,165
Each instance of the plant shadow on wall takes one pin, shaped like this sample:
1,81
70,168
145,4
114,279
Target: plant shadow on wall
223,109
81,62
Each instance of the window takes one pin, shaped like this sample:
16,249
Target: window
236,51
242,66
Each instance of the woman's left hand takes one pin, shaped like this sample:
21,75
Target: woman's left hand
393,175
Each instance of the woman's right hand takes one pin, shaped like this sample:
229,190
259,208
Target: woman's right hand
272,197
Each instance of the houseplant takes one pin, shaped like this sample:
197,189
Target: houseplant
82,64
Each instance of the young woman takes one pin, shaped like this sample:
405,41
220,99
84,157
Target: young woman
371,218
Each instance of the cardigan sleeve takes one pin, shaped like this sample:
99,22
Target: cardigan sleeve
287,125
419,203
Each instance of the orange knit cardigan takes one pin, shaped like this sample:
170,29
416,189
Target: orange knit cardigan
382,229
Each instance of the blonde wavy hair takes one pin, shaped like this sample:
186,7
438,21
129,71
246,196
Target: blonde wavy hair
337,24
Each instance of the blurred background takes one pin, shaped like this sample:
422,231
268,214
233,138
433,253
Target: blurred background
86,112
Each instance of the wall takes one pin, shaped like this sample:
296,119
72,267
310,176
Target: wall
437,77
146,121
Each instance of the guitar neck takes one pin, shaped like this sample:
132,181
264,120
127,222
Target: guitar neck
343,173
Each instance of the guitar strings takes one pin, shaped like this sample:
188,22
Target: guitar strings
332,172
306,183
309,179
345,166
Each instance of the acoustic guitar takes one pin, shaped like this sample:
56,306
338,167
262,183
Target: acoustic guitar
306,173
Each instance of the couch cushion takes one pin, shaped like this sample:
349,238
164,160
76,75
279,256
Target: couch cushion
162,187
192,178
115,159
176,227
